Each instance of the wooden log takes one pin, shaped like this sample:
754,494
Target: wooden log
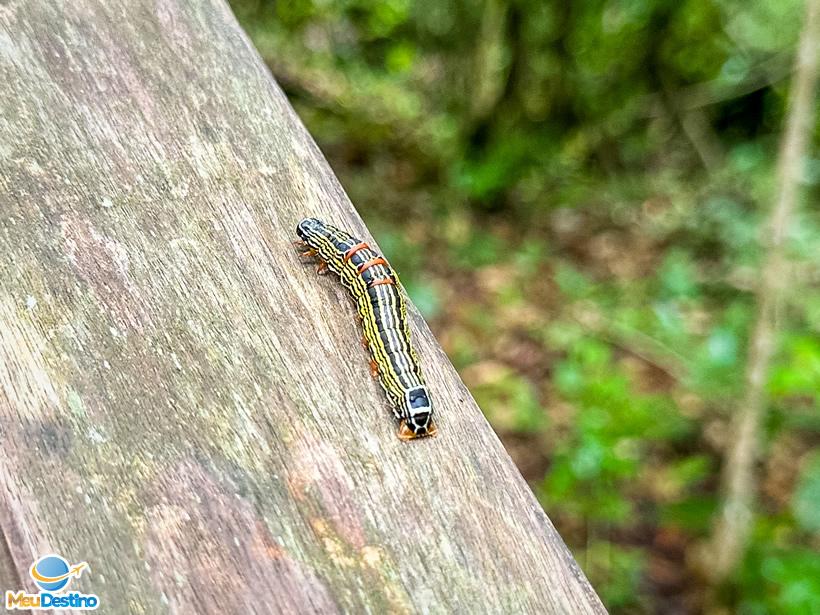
183,403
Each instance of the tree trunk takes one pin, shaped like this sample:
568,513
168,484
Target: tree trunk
183,403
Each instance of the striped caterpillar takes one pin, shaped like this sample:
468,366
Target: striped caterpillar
382,310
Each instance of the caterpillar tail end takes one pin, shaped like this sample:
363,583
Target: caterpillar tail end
405,433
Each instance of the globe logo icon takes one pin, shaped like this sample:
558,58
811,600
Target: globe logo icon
52,572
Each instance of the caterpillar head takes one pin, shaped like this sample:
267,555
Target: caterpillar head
309,227
418,413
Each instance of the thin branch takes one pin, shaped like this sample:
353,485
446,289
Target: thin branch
715,91
695,126
767,73
490,68
637,343
735,521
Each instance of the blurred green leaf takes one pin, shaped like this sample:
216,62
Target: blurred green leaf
722,348
677,277
571,281
806,499
425,297
694,513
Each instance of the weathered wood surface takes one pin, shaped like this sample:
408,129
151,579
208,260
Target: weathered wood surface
184,404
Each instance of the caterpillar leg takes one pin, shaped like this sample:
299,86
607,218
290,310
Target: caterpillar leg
405,433
304,249
365,343
374,368
322,268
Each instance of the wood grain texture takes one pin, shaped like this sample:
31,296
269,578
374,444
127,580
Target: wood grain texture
183,403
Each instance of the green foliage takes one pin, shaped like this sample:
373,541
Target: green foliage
807,496
513,402
615,436
777,578
799,372
536,173
618,571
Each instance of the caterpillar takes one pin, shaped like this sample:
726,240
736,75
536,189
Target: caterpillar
382,310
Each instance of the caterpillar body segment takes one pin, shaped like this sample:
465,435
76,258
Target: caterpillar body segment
381,307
